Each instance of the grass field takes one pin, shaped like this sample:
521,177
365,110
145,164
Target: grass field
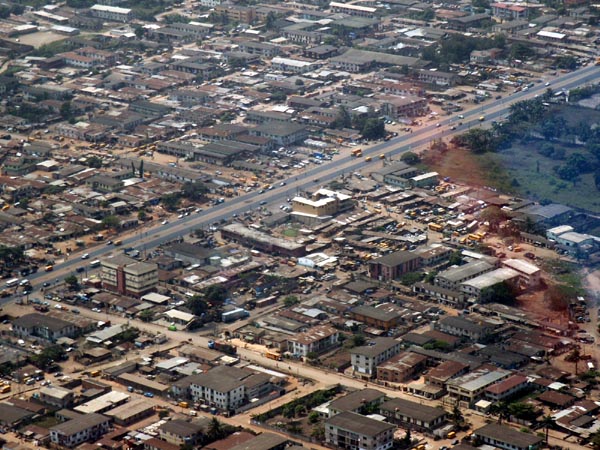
536,177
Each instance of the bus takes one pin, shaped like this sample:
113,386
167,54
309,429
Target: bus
474,237
12,282
95,263
49,268
357,152
273,355
436,227
368,159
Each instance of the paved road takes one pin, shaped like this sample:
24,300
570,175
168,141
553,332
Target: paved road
341,164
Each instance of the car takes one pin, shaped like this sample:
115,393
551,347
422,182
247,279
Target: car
262,191
109,242
148,394
264,202
283,183
96,310
180,216
437,125
164,222
547,83
453,127
45,284
80,269
85,256
75,311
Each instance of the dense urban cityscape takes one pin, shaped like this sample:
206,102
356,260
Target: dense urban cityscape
245,225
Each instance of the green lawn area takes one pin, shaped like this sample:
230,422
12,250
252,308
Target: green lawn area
537,179
291,233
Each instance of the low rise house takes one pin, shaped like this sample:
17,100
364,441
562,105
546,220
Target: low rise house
184,432
56,396
356,402
507,438
413,415
352,431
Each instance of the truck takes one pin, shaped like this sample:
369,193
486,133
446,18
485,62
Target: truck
222,347
318,155
233,315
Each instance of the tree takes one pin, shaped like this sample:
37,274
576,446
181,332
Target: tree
290,300
410,158
299,410
523,411
270,20
595,441
494,216
457,416
358,340
318,432
477,140
66,112
71,281
139,31
170,201
48,356
215,294
142,215
197,305
574,357
215,430
194,191
94,162
312,356
147,315
410,278
111,222
342,118
499,293
373,129
313,417
287,412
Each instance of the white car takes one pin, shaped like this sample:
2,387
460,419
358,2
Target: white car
85,256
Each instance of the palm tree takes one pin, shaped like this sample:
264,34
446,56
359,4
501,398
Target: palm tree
215,430
547,422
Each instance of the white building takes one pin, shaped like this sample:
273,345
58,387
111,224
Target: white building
529,274
81,429
315,340
112,13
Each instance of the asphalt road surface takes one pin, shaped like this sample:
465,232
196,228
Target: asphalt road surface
146,239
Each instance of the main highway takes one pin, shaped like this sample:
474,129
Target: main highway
149,238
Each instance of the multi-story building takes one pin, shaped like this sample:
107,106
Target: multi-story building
237,13
452,278
322,204
509,11
506,388
470,388
392,266
352,431
128,276
401,367
413,415
398,106
262,241
112,13
184,432
45,327
475,331
352,9
315,340
480,288
80,429
366,358
529,274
